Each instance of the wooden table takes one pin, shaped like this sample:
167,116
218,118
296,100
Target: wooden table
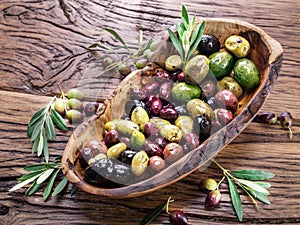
44,43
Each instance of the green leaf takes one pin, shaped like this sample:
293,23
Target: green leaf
36,167
252,174
254,186
23,183
30,175
35,144
37,116
235,199
197,40
37,130
180,31
74,189
50,184
33,188
264,184
259,196
44,176
58,120
45,149
50,130
153,214
115,34
184,16
40,146
94,45
60,187
176,42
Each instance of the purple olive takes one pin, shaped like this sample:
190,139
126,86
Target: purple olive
213,199
111,138
165,90
168,114
208,88
156,106
286,119
156,163
91,108
126,141
161,142
85,154
172,152
162,74
227,99
177,217
152,88
97,147
181,76
224,116
153,149
192,140
137,93
151,130
267,117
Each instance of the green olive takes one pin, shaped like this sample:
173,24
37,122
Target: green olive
196,69
74,103
75,93
124,70
182,91
123,126
139,163
159,122
97,157
185,124
140,64
171,132
140,117
137,139
238,45
228,83
221,63
197,107
246,73
173,63
60,106
115,150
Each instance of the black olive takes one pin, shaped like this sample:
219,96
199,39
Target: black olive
208,44
132,104
121,174
127,156
202,127
177,217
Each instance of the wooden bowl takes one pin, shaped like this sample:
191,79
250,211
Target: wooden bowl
266,53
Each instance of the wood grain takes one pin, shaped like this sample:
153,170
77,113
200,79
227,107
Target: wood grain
43,43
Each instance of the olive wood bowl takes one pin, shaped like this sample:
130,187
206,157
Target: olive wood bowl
266,53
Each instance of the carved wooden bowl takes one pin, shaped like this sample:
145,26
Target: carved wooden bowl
266,53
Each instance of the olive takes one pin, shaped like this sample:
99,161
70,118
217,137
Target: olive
107,61
213,199
212,103
153,149
151,130
224,116
208,88
152,88
132,104
156,106
172,152
267,117
121,173
227,99
197,107
221,63
286,121
159,122
74,116
192,140
97,147
91,108
85,154
60,106
75,93
137,94
196,69
161,142
208,44
177,217
139,116
185,124
165,90
208,184
182,91
154,46
173,63
99,172
127,156
246,73
215,126
111,138
116,150
228,83
140,64
181,109
126,141
171,133
96,158
162,74
202,127
168,113
178,76
74,103
157,164
123,126
124,70
137,140
139,163
238,45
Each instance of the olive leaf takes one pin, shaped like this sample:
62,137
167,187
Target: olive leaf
34,187
254,186
50,184
235,199
175,41
58,120
115,34
60,187
252,174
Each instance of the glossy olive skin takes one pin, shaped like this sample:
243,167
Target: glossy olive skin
177,217
111,138
127,156
221,63
246,73
172,152
171,132
213,199
85,154
151,130
208,88
185,124
208,44
139,163
165,90
267,117
238,45
197,107
202,127
208,184
182,91
228,83
196,69
226,99
161,142
132,104
173,63
137,94
153,149
137,140
168,113
286,119
157,164
152,88
224,116
140,117
192,140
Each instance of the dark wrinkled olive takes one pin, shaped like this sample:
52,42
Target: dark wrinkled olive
208,44
208,184
165,90
121,174
156,106
162,74
97,147
202,127
91,108
172,152
161,142
99,172
111,138
151,130
213,199
152,88
127,156
156,163
168,114
137,93
227,99
177,217
85,154
153,149
192,140
224,116
267,117
208,88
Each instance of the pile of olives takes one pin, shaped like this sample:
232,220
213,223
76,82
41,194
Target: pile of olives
173,114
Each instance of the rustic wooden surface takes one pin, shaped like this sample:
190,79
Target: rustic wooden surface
43,43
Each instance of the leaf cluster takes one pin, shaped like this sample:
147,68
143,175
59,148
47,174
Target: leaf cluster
189,36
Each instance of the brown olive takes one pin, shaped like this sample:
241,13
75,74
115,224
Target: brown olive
172,152
177,217
156,163
153,149
161,142
267,117
197,107
227,99
224,116
213,199
111,138
152,88
192,140
151,130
